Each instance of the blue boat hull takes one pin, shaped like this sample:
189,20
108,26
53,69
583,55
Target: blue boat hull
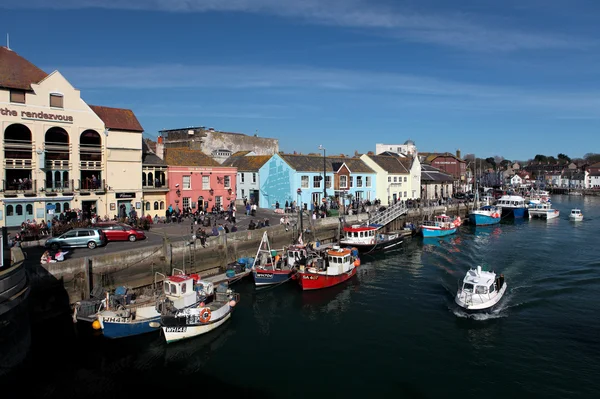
136,327
438,233
483,220
517,213
265,278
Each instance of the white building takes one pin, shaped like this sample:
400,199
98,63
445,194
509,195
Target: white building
397,178
407,149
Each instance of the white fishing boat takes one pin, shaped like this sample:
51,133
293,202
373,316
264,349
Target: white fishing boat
543,210
576,215
480,290
178,324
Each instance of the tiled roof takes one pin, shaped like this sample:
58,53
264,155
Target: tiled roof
118,118
428,157
391,164
185,157
240,153
151,144
250,163
314,163
16,72
429,174
149,157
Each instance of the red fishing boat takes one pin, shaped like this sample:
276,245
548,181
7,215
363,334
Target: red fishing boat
333,266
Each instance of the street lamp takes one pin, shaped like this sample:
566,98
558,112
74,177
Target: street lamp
324,172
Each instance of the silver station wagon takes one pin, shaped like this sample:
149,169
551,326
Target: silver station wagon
75,238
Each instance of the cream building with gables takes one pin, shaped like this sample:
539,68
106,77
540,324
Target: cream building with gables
59,153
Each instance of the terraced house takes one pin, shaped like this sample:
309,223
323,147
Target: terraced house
59,153
398,177
248,165
291,177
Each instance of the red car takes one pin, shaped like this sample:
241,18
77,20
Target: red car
121,232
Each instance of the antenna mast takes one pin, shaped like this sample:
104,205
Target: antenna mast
7,41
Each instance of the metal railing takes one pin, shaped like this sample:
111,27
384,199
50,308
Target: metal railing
89,185
18,163
52,186
90,165
391,213
25,186
57,164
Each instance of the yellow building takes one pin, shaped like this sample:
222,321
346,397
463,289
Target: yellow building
59,153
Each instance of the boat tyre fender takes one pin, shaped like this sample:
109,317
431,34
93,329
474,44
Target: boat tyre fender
205,315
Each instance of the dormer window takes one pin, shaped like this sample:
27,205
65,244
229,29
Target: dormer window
17,96
56,100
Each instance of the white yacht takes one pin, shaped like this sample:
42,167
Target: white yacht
480,290
543,210
576,215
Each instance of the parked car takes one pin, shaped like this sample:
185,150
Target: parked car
89,237
120,232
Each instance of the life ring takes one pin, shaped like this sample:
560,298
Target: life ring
205,315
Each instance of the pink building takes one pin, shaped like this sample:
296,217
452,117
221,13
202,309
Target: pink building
197,181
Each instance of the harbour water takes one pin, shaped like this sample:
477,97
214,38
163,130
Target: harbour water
392,331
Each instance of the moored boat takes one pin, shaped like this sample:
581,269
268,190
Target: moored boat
512,205
178,324
331,267
480,290
576,215
543,210
370,238
485,215
441,226
274,266
120,318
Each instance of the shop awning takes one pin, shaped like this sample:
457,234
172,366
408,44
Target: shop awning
36,199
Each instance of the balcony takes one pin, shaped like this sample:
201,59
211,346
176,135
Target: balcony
88,185
20,186
90,165
156,187
57,164
17,164
65,186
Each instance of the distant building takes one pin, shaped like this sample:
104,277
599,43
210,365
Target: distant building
450,164
216,144
398,178
288,177
197,181
248,177
407,149
435,183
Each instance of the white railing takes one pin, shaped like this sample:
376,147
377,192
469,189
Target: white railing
392,212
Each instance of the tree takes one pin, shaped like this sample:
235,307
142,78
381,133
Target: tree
564,158
592,157
491,161
498,159
551,160
540,158
505,163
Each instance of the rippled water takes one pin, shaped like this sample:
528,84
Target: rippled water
394,330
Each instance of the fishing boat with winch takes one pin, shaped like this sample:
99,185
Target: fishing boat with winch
275,266
328,267
370,238
480,290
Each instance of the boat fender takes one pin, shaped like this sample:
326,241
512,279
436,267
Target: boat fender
205,315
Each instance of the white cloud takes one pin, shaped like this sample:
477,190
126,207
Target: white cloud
386,88
453,30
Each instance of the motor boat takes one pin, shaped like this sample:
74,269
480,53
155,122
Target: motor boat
576,215
543,210
480,290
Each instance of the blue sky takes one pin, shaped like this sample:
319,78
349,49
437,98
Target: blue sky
510,78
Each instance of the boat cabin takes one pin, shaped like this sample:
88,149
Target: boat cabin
180,289
340,260
295,253
361,234
511,201
478,282
442,221
576,214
